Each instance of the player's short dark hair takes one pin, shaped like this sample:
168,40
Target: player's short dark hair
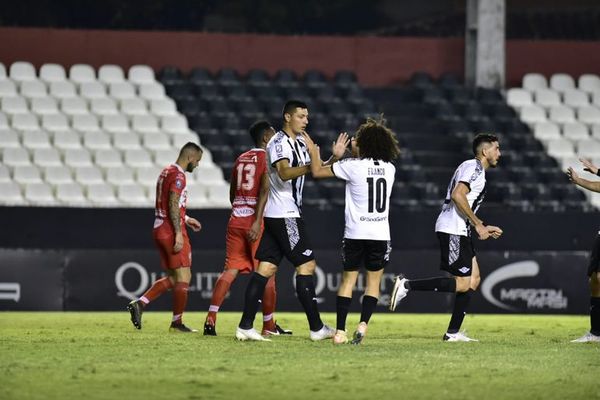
375,140
190,146
258,130
291,105
482,138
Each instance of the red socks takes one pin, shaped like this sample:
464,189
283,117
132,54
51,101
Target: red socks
157,288
180,295
219,292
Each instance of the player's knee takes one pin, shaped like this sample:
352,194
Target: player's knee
463,284
266,269
307,268
475,281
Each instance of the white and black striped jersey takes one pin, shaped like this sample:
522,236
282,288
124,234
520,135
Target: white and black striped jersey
368,188
285,198
450,220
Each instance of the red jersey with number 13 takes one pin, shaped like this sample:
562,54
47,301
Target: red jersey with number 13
247,174
171,179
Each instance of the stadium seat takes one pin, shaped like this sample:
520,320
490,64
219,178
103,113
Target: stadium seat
152,91
141,74
533,114
25,122
2,72
8,88
561,114
132,107
44,106
588,114
103,106
77,158
4,123
82,73
108,158
560,148
147,177
156,141
22,71
209,176
576,98
589,83
39,194
63,90
110,73
588,148
10,193
86,123
115,124
102,194
122,91
33,89
163,108
175,125
47,157
562,82
70,194
9,140
575,131
534,81
55,123
14,105
162,158
547,97
134,195
218,195
138,158
518,98
58,175
127,141
89,175
52,73
4,174
64,140
26,174
97,140
92,90
119,175
595,131
145,124
198,195
36,140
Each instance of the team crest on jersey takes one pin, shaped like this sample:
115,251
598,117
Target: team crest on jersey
279,149
178,184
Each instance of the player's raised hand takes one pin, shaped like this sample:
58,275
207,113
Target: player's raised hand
194,224
340,145
310,144
495,232
573,176
589,166
178,242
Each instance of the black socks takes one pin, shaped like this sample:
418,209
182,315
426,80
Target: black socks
254,292
305,290
461,302
433,285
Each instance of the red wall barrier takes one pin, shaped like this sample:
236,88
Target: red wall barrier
377,61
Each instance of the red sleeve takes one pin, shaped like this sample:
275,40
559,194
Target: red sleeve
177,183
262,163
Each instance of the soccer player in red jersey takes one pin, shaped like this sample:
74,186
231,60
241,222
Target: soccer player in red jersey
248,193
171,238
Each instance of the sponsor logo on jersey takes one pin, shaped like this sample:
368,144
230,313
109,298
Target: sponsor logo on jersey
243,211
523,299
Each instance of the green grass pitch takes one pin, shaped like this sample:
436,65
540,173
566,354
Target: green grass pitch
101,356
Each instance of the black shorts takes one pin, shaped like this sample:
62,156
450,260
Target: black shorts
457,254
371,254
285,237
594,265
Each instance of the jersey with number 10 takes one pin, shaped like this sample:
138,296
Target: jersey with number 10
368,188
247,174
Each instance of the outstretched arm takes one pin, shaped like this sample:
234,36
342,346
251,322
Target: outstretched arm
584,183
319,169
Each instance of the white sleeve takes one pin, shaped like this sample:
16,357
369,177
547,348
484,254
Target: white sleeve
279,151
468,173
342,169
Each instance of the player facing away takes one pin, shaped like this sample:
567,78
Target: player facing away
284,232
594,266
454,227
248,192
369,176
171,239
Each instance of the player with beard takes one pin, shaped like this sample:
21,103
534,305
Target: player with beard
171,239
454,228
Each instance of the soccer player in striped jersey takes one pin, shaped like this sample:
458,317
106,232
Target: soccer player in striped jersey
284,233
248,191
369,176
454,227
594,266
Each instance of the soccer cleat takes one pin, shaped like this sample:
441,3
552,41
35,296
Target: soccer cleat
399,292
136,310
360,333
249,334
340,337
181,328
324,333
458,337
278,330
587,338
209,328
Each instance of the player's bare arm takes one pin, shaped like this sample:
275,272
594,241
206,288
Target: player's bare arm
459,197
584,183
254,232
193,224
286,172
319,169
175,220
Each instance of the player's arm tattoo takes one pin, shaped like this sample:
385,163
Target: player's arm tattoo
174,214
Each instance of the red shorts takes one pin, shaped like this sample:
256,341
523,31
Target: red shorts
170,260
239,251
